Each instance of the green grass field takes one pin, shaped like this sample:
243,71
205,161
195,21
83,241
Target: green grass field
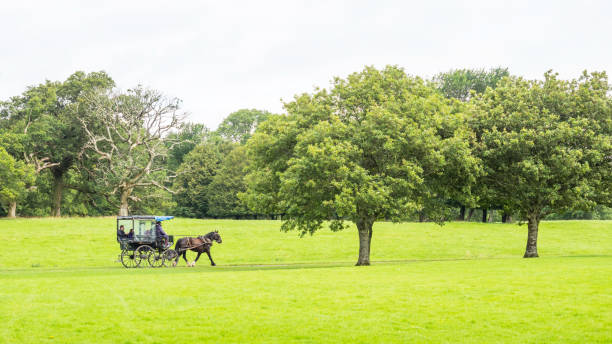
461,283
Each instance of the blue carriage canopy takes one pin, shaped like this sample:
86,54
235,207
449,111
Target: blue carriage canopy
163,218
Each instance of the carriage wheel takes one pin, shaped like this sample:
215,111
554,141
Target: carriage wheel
168,257
156,260
127,259
142,253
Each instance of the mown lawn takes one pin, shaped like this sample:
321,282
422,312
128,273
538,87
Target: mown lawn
460,283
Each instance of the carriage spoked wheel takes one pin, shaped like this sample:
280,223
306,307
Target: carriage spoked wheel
156,259
168,257
142,253
127,259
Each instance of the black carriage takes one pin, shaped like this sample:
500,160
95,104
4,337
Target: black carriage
140,243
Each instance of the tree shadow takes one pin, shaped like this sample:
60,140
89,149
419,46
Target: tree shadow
40,272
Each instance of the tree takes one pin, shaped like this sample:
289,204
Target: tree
51,133
128,139
16,177
227,183
461,84
193,180
188,137
210,178
239,126
376,146
545,145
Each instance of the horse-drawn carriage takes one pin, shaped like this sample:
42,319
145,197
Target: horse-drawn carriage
141,242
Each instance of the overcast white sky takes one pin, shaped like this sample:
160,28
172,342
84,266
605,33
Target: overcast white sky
222,56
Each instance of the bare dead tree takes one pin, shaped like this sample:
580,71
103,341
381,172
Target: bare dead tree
128,141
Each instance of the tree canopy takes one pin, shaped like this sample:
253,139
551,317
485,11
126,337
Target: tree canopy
545,145
239,126
374,147
193,180
460,83
227,183
45,121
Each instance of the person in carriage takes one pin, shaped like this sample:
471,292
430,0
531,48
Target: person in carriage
121,232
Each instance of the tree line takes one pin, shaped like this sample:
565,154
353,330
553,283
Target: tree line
81,147
376,145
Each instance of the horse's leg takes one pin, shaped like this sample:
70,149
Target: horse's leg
185,257
197,257
209,257
178,256
180,250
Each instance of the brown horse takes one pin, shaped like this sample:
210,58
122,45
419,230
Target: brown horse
200,245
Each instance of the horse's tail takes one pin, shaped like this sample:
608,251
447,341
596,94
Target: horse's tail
179,247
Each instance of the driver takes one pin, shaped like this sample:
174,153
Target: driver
159,232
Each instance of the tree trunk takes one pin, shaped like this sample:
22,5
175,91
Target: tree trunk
364,227
484,215
12,211
491,215
58,183
461,214
124,209
421,217
506,218
470,213
533,222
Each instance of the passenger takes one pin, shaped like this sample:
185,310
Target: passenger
121,232
130,235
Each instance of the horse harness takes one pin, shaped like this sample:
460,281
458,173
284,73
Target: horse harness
205,241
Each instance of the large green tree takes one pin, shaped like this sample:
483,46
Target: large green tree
47,117
376,146
545,145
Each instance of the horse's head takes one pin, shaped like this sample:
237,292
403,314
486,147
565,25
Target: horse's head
217,237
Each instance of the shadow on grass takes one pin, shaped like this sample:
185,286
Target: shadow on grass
76,272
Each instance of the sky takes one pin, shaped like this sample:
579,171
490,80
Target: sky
218,57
